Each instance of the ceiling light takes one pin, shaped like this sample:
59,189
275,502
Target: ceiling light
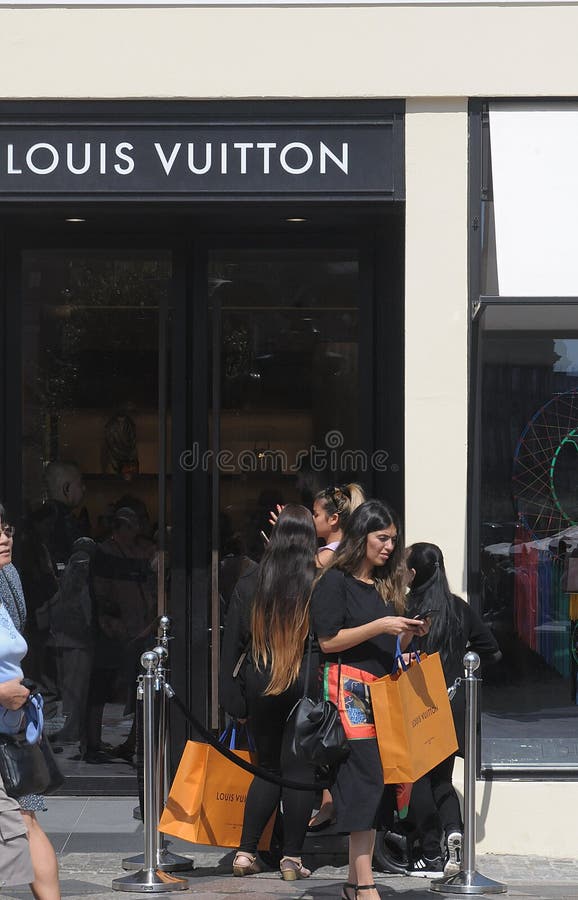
75,220
295,219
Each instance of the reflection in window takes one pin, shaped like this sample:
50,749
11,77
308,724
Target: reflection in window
289,382
529,515
90,487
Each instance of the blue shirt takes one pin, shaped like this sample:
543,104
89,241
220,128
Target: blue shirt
13,649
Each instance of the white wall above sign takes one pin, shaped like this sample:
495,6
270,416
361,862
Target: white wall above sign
273,3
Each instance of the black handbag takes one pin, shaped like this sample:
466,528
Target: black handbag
28,768
318,735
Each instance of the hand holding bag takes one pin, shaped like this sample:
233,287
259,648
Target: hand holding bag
413,718
27,763
319,737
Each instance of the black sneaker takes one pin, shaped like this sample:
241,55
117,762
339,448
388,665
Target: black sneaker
454,858
427,868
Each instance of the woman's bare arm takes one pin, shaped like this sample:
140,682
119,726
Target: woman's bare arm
351,637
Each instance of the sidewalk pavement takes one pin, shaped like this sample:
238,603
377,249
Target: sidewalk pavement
93,835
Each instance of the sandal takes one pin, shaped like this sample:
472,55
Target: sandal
245,864
323,818
345,895
365,887
292,869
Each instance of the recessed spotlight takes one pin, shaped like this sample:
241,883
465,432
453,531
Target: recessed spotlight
295,219
75,220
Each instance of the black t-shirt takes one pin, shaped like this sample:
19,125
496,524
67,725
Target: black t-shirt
237,640
341,601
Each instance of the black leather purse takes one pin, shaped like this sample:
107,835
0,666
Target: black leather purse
318,735
28,768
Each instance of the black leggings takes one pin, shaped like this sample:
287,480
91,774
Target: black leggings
272,736
435,807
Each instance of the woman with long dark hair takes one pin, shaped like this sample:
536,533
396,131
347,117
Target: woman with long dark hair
272,684
357,612
332,507
454,627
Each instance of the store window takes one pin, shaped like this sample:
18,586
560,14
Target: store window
96,517
287,402
289,380
528,509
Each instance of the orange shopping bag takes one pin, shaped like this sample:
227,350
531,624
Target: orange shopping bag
206,802
413,719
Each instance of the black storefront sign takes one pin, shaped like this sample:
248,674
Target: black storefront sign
201,160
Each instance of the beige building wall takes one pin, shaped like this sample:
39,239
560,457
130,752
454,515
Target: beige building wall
379,51
436,327
436,56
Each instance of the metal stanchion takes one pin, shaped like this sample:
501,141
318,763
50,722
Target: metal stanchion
469,881
150,879
166,860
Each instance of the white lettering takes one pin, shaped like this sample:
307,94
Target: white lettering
223,159
39,170
103,159
120,154
266,148
167,163
208,159
70,161
296,145
11,169
325,152
243,148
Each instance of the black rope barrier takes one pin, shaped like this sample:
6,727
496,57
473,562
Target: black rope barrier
259,772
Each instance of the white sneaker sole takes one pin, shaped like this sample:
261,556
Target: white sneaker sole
425,874
454,862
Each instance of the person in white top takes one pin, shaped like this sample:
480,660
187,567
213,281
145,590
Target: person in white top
331,510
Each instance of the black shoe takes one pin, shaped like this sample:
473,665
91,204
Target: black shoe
96,757
123,751
427,868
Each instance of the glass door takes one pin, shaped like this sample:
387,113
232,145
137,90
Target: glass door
96,513
289,405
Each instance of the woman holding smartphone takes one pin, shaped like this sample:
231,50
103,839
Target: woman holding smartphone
357,612
455,627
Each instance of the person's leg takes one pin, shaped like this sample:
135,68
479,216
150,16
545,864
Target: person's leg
445,796
448,804
361,845
325,814
297,806
262,801
426,816
266,727
45,885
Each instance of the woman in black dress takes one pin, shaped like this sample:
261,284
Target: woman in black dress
357,613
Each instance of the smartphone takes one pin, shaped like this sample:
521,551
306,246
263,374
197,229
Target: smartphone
425,614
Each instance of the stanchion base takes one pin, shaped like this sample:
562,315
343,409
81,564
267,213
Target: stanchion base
467,883
166,862
150,881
